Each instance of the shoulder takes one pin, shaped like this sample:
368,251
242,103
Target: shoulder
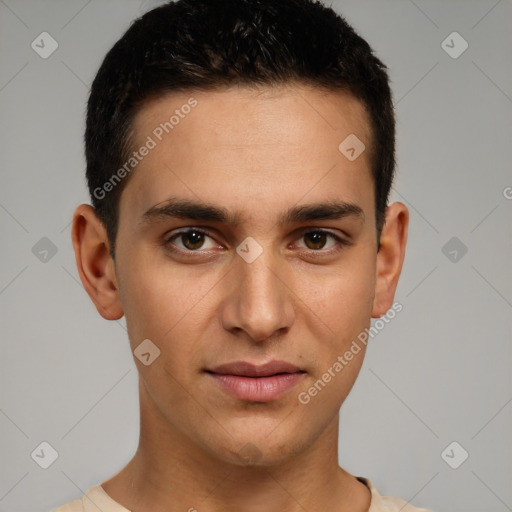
93,500
72,506
392,504
388,503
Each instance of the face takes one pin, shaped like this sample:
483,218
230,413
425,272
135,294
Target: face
247,253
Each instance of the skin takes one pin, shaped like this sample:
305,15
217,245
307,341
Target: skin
257,153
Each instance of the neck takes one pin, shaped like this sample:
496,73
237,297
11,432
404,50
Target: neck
170,472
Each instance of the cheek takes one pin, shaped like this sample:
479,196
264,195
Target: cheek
340,307
163,306
161,300
144,302
342,310
343,297
146,292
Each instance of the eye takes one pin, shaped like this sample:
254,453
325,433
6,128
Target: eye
195,240
191,240
317,240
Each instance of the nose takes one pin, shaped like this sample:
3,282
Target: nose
260,302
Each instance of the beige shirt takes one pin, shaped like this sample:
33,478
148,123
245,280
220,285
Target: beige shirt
96,499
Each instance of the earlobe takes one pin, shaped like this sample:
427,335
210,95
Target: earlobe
94,263
390,257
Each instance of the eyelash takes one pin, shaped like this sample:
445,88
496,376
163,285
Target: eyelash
340,241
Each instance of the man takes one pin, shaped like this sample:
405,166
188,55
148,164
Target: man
240,155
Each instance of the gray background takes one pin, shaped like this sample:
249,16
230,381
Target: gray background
438,373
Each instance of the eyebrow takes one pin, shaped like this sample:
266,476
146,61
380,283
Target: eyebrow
187,209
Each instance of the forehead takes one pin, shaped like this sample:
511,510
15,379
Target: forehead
273,144
252,115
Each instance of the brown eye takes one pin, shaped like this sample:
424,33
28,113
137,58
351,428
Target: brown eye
317,239
190,241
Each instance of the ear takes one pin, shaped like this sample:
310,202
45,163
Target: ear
390,257
94,263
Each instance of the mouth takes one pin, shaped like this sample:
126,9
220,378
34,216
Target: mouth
257,383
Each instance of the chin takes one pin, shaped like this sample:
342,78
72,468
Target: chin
258,450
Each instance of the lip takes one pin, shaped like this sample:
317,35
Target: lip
257,383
